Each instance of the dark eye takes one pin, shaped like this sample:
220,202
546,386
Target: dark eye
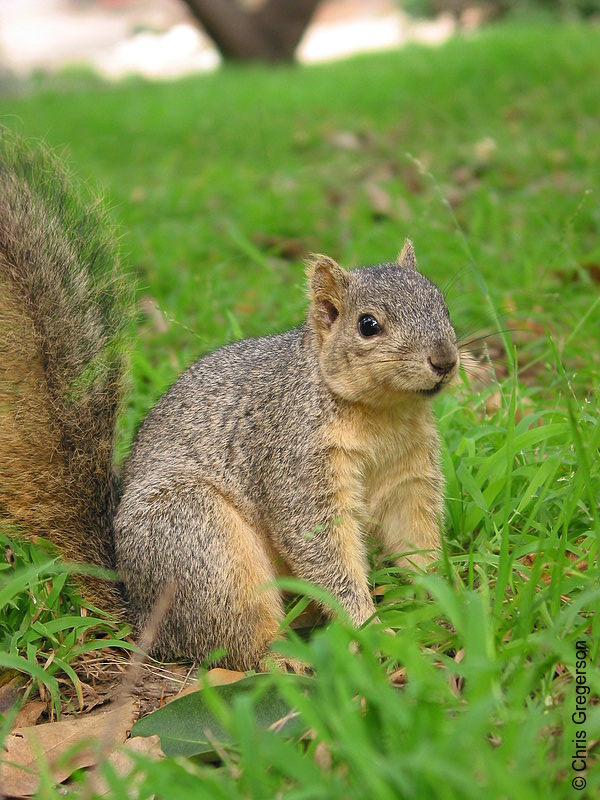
368,325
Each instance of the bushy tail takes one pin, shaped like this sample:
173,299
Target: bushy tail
62,316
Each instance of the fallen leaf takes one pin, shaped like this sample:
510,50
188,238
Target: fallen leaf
398,678
345,140
493,403
25,747
593,270
380,201
122,762
12,686
187,726
322,756
462,174
411,174
221,677
214,677
335,196
485,149
285,246
29,714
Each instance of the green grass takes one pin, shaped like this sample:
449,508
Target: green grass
42,627
487,152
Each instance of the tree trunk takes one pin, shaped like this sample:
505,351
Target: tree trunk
271,33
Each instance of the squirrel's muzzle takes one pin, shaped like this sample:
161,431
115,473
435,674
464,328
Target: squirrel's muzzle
443,358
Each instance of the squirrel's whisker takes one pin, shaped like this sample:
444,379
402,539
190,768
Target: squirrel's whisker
468,339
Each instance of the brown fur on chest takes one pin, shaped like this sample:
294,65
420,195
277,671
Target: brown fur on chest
374,454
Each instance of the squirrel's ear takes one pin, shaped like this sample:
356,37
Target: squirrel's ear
407,259
327,287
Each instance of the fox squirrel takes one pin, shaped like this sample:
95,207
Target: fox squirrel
270,455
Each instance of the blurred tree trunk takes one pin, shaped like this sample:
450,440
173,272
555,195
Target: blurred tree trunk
271,33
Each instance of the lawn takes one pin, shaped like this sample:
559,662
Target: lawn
485,152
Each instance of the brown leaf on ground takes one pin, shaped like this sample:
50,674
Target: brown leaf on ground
411,175
29,714
12,686
380,202
26,747
101,672
572,276
529,561
322,756
214,677
122,762
493,403
345,140
220,677
398,678
285,246
593,270
485,150
457,681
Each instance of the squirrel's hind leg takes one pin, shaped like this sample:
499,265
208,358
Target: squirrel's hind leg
221,567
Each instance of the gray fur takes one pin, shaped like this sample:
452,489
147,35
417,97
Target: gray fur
246,423
243,422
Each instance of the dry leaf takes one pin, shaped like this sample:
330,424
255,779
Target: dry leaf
214,677
462,174
122,762
380,201
412,176
345,140
456,681
322,756
493,403
485,150
398,678
593,270
25,747
29,714
221,677
286,246
12,687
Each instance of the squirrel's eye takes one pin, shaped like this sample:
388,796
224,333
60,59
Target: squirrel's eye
368,325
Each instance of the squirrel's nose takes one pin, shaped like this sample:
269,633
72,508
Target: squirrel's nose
442,359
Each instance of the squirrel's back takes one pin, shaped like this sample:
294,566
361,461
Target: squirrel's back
234,410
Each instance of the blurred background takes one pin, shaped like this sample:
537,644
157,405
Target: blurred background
163,38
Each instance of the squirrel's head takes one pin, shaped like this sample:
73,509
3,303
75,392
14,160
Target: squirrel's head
383,333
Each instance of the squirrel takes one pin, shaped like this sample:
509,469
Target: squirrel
269,456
